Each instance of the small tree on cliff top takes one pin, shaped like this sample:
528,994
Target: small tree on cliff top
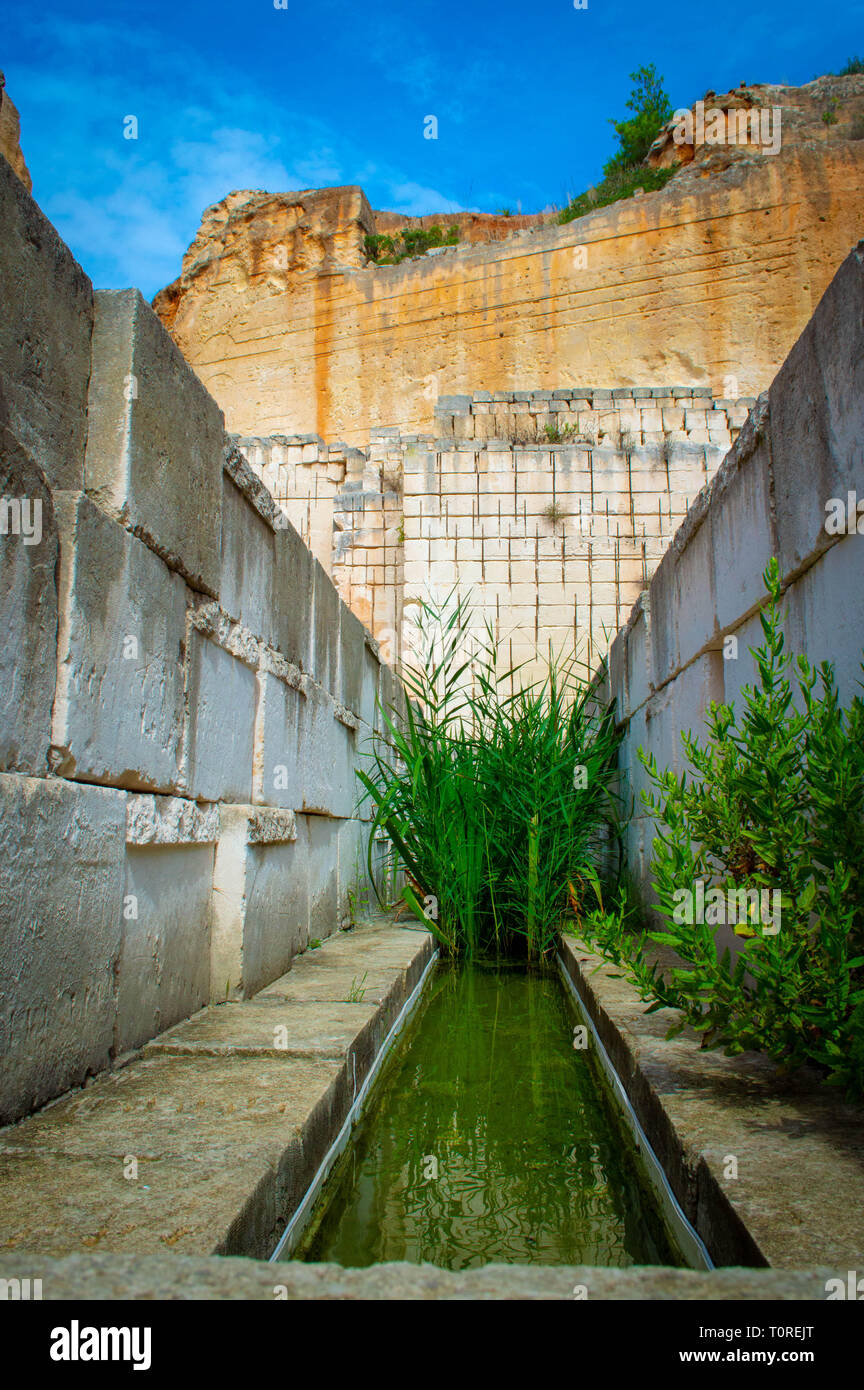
651,110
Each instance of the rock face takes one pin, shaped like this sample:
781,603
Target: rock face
714,276
10,133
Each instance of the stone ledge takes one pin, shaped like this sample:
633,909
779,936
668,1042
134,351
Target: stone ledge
99,1277
226,1125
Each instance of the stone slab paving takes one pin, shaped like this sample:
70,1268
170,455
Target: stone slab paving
798,1198
110,1277
206,1142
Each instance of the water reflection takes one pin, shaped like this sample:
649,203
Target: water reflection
491,1139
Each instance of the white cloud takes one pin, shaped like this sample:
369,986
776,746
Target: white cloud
129,208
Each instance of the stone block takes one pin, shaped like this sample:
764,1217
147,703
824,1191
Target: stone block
744,537
277,765
28,593
693,593
260,903
264,578
816,406
155,440
118,713
825,613
664,620
323,860
221,693
324,643
164,969
352,654
61,891
327,755
45,333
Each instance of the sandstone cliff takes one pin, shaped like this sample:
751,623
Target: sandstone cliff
10,136
710,280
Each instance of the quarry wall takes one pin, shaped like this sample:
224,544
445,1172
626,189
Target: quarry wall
551,509
802,446
711,279
185,697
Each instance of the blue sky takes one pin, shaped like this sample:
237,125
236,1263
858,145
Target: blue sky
231,95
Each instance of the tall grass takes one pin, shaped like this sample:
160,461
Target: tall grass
494,794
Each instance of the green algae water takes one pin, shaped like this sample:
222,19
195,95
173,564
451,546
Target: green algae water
490,1138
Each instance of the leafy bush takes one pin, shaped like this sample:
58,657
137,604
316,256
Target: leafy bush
853,66
492,800
620,183
408,243
651,110
774,802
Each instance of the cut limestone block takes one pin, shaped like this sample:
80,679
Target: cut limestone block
164,969
324,647
45,332
352,654
265,567
327,752
322,836
277,772
260,899
61,887
155,441
221,693
28,595
817,417
118,716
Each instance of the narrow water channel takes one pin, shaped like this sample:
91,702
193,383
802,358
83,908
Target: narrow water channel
490,1138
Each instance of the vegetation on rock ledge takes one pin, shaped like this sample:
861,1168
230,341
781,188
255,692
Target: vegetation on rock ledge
407,244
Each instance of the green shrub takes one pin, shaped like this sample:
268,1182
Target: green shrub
407,244
620,183
651,110
492,800
774,801
853,66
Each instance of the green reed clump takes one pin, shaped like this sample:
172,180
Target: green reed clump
493,794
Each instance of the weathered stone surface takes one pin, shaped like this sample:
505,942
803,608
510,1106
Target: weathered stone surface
797,1146
339,350
223,1146
118,715
278,761
817,417
61,889
207,1143
43,371
220,721
274,1030
28,590
261,898
10,136
164,969
324,651
170,820
322,838
374,950
352,659
264,569
111,1278
156,439
327,757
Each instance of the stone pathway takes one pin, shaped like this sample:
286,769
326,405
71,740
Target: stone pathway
207,1141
